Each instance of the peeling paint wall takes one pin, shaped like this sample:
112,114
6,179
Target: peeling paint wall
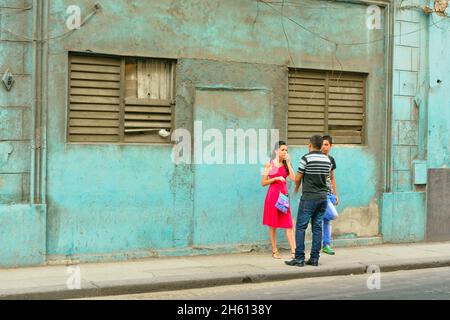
438,133
421,117
117,201
15,105
89,212
400,222
359,222
359,191
22,224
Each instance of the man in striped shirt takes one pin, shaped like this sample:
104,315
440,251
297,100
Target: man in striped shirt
313,172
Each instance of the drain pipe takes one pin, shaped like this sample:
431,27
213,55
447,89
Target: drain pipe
390,8
40,76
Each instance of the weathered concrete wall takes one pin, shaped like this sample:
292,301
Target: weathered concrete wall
118,201
358,222
124,198
403,212
227,199
409,77
234,30
22,224
359,213
22,234
438,132
420,117
15,105
404,217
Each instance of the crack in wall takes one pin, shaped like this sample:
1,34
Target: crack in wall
6,149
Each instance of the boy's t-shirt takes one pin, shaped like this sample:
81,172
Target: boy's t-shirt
315,167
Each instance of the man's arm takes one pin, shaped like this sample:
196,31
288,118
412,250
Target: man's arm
301,171
333,182
298,181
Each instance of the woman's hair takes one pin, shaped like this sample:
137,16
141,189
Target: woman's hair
278,145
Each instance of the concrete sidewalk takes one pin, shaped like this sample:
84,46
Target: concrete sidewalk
175,273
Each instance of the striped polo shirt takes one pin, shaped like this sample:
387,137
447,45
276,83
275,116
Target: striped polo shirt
315,167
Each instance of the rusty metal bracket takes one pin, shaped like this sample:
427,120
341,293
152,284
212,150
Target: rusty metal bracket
8,80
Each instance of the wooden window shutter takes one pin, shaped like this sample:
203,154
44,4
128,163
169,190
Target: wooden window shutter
150,99
120,99
306,113
346,95
94,99
322,103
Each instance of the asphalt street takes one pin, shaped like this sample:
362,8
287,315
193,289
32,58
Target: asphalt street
427,284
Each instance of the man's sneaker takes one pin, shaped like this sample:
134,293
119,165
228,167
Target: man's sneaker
328,250
295,262
314,263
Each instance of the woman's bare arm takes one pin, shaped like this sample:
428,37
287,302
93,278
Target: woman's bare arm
298,181
265,179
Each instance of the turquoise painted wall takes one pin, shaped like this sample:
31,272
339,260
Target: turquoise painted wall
22,234
404,217
117,201
420,118
355,179
109,198
439,98
22,224
228,199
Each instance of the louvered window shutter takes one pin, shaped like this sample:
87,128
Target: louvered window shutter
306,114
346,108
120,99
326,103
94,99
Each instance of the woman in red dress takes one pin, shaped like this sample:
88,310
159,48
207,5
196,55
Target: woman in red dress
275,175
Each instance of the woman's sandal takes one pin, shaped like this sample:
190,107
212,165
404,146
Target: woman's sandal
293,255
276,255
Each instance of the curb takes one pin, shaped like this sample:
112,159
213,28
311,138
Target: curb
198,281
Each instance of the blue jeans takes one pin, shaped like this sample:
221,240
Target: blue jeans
309,210
330,214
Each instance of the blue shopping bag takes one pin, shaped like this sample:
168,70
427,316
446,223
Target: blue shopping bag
283,203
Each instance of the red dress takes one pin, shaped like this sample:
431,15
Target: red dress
272,216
